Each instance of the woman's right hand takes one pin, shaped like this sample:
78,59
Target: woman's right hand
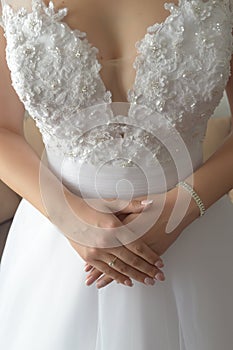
136,261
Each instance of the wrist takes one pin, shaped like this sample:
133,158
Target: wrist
183,200
64,211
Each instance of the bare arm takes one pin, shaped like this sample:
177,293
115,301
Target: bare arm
19,164
215,177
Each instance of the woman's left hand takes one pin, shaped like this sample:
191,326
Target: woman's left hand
158,216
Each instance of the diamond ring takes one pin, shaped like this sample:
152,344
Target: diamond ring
112,263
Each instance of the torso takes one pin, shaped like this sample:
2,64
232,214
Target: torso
114,27
182,66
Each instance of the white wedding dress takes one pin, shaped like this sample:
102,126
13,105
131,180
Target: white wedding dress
182,69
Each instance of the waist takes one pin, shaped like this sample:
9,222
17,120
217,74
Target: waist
90,181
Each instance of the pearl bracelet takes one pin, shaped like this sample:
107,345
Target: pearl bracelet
194,195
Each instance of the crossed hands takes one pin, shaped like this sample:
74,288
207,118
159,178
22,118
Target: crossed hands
135,238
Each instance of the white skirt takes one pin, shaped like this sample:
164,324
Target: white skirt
45,304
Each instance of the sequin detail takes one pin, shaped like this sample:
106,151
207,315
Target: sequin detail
182,69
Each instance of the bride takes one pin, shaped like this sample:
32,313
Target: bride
123,239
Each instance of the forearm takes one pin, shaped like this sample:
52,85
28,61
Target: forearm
20,169
215,177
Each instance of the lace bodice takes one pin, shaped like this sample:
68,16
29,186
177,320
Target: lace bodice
182,68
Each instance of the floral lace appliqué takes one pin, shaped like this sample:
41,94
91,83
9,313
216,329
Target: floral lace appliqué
182,68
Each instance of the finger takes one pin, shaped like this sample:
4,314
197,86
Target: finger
93,271
104,281
138,269
131,272
132,206
135,206
92,277
142,250
88,267
144,257
111,272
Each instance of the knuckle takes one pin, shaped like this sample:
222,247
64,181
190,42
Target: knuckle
114,276
123,269
92,252
117,276
88,257
119,251
108,271
150,270
110,224
139,249
136,261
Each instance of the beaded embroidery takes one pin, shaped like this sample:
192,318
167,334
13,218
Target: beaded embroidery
182,68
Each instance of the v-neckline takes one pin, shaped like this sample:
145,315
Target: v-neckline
85,35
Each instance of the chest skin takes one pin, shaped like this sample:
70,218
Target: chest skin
114,27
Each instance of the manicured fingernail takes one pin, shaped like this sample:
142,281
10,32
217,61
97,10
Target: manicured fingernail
101,284
159,263
147,201
89,280
128,283
160,276
149,281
